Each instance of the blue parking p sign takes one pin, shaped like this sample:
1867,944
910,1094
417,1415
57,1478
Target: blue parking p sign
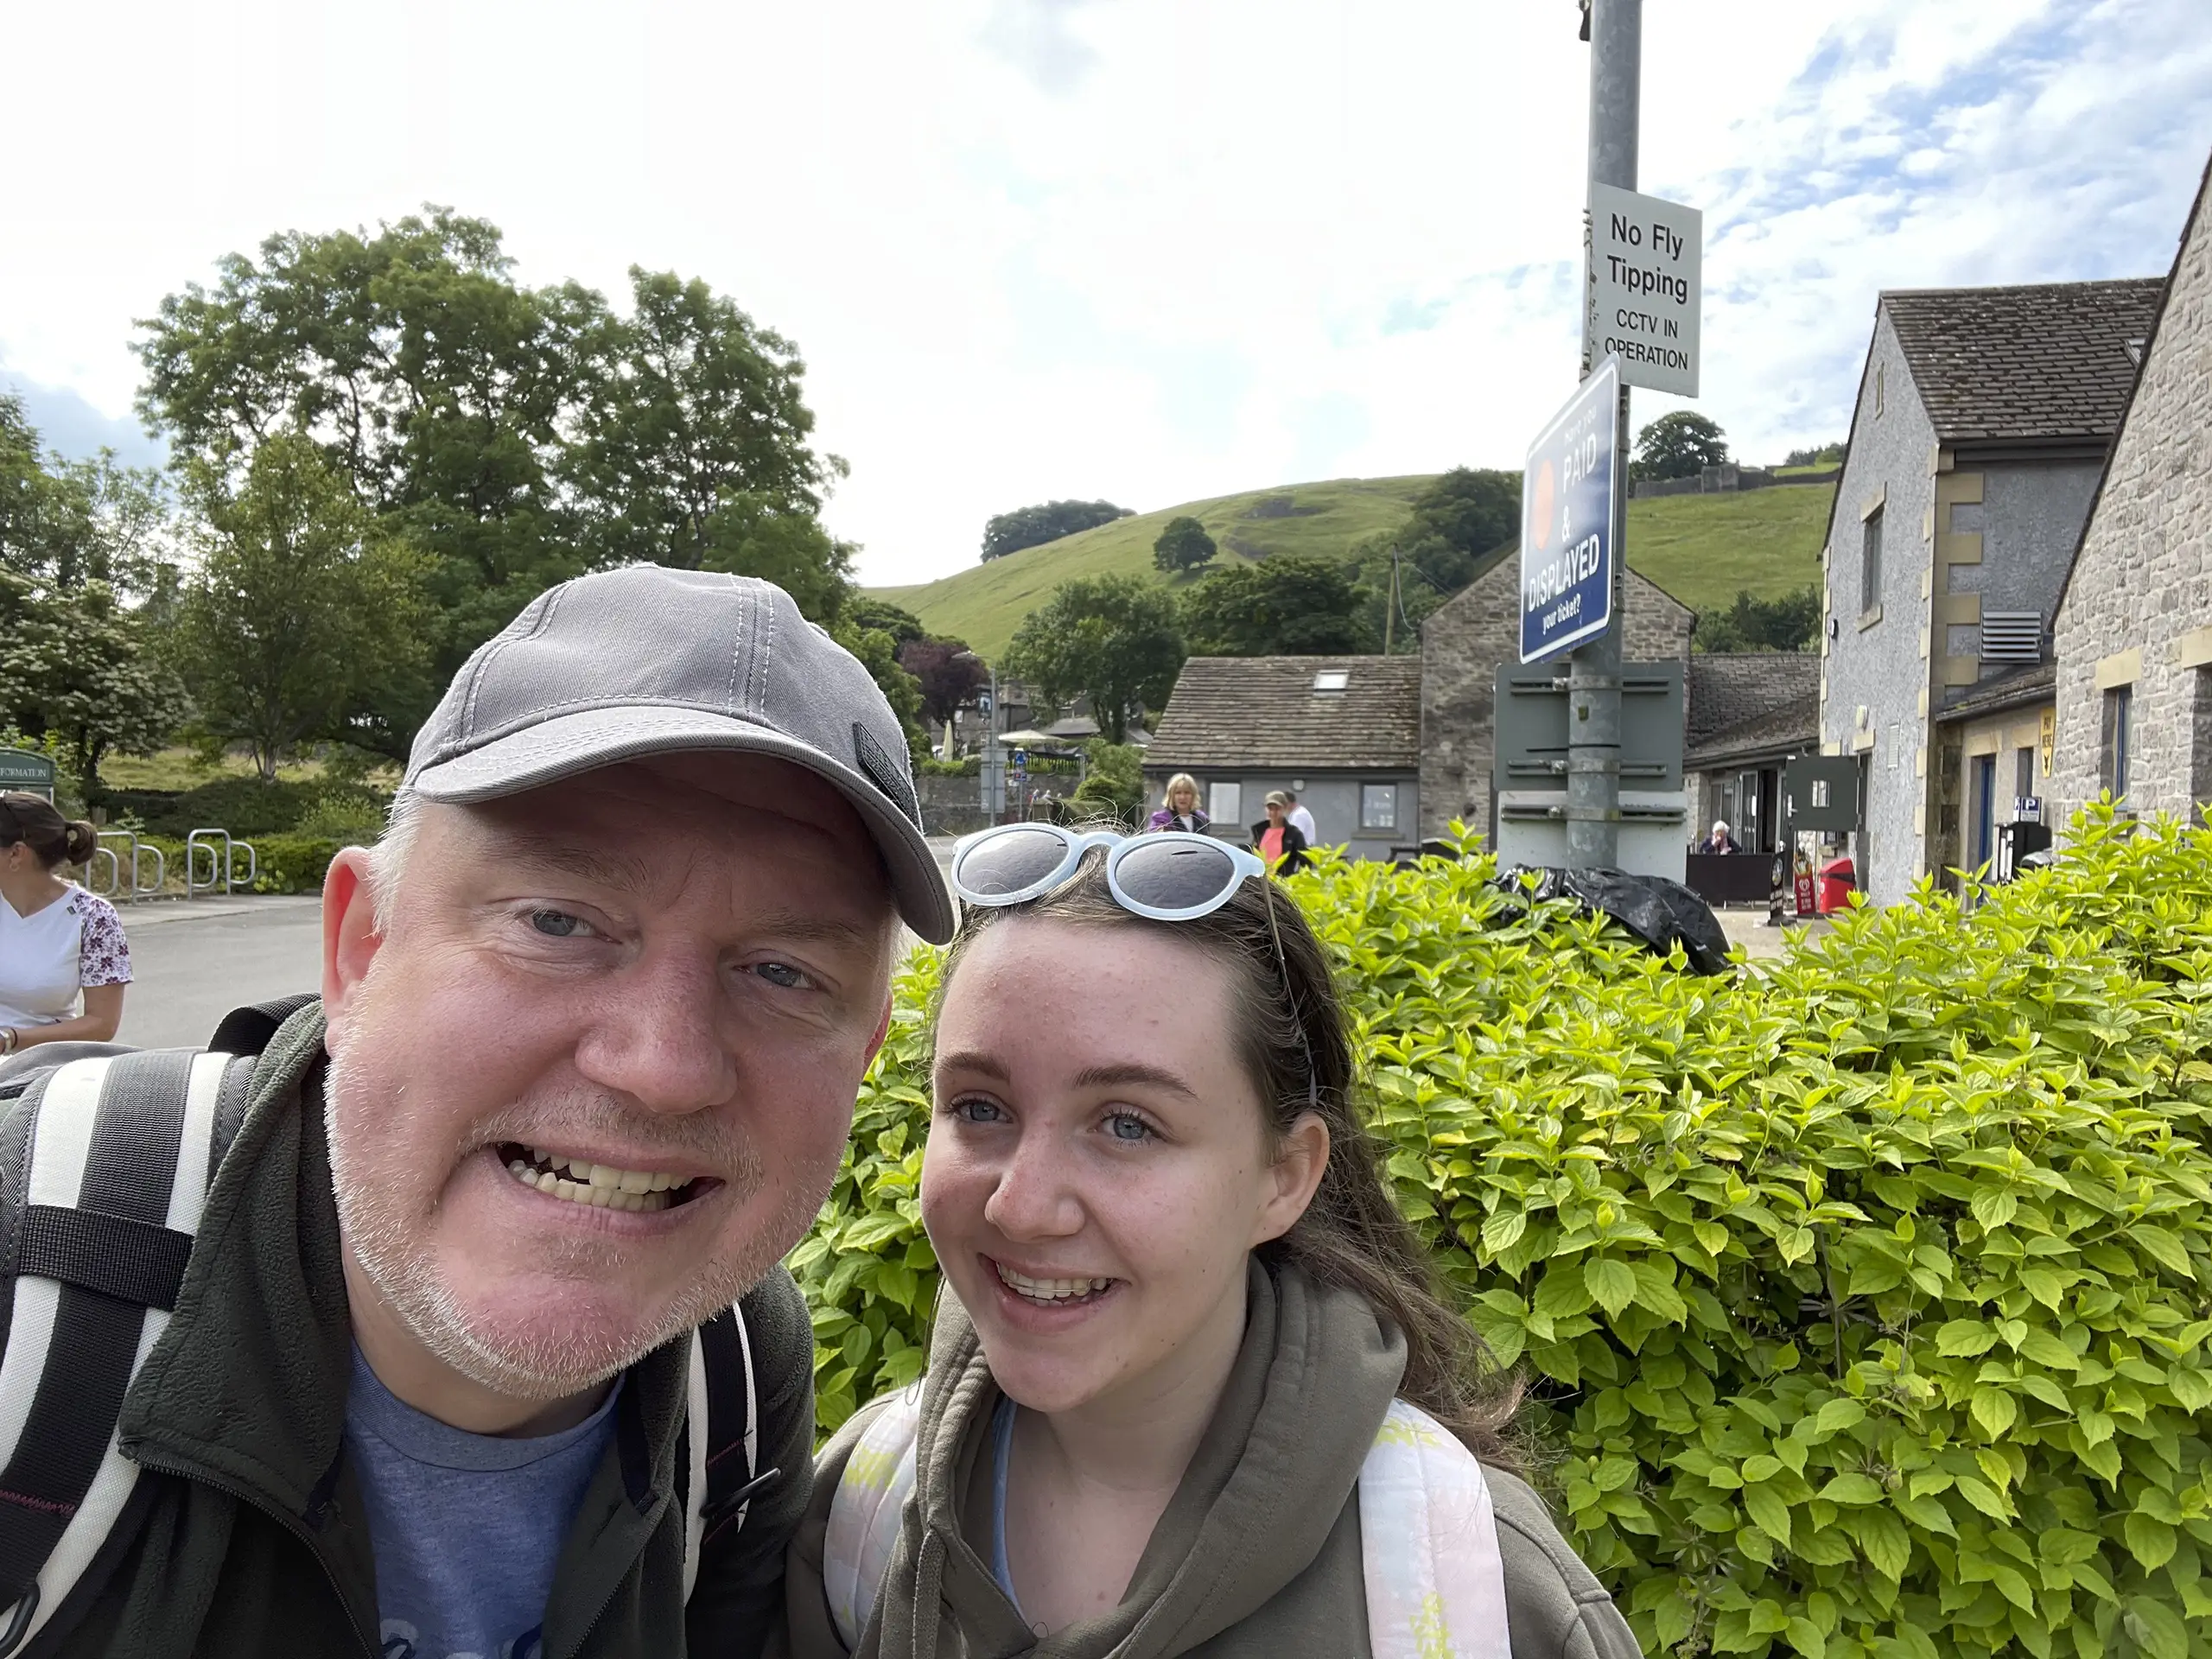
1567,520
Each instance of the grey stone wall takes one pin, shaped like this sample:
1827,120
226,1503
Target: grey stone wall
1463,644
2137,609
1876,675
2030,518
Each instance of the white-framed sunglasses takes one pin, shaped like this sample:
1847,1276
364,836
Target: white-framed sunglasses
1169,876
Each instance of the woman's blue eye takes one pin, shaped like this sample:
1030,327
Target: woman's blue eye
782,974
976,1111
1128,1126
556,924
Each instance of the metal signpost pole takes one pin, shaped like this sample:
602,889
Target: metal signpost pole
1594,776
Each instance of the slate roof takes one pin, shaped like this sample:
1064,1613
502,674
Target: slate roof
1793,728
2043,361
1729,688
1262,712
2035,683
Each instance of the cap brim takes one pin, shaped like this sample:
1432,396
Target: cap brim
589,739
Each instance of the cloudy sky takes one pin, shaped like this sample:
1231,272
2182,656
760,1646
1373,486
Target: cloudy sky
1151,250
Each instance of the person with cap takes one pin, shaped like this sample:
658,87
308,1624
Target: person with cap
593,1016
1278,841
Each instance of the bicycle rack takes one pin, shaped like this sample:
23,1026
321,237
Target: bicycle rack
136,887
103,858
222,862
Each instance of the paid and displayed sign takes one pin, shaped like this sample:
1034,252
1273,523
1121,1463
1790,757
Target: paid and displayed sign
1567,520
1646,259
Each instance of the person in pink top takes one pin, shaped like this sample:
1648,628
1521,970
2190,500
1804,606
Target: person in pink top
64,960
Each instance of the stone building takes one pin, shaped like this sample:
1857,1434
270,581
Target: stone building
1983,419
1463,644
2134,633
1342,733
1747,713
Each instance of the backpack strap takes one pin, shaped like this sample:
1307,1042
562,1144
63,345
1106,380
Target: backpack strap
720,1451
1428,1545
1434,1578
866,1514
249,1030
118,1155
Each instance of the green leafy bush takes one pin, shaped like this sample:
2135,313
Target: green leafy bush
1865,1295
293,863
246,807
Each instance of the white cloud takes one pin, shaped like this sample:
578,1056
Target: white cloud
1131,248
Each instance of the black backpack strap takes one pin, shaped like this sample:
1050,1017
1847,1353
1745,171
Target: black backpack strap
119,1151
720,1451
248,1030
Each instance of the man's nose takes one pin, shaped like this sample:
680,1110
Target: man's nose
656,1036
1033,1197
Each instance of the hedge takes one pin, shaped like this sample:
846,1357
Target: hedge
1865,1295
247,807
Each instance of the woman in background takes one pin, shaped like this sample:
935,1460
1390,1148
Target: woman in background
64,960
1181,808
1278,841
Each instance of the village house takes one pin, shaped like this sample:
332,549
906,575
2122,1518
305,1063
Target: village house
1983,420
2133,675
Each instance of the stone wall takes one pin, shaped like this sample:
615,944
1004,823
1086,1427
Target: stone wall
1463,644
1874,680
2137,609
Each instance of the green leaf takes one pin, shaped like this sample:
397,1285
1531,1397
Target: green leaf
1837,1415
1654,1291
1851,1488
1882,1537
1994,1410
1767,1508
1611,1283
1501,1230
1805,1636
1994,1209
2157,1629
1964,1338
2150,1541
2163,1248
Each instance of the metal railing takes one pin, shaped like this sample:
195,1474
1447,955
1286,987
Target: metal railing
135,886
222,852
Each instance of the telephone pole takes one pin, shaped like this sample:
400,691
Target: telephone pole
1593,753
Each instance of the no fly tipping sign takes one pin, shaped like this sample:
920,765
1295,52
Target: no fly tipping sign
1567,520
1646,259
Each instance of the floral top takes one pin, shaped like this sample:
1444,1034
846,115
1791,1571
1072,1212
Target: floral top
58,950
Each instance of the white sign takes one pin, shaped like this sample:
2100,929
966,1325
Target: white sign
1645,278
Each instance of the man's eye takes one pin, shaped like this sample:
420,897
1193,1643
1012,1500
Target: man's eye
558,924
1128,1126
783,973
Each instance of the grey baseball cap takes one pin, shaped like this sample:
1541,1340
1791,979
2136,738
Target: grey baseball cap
645,661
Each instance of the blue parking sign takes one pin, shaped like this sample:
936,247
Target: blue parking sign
1567,520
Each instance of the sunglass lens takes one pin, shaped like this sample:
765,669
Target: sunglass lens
1010,863
1175,875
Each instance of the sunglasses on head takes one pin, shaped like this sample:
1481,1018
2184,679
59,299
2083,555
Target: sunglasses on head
1170,875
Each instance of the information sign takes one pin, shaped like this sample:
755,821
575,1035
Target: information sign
25,770
1646,256
1567,520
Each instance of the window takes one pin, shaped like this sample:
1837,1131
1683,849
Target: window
1378,806
2119,710
1330,679
1870,562
1985,809
1880,386
1225,803
2200,746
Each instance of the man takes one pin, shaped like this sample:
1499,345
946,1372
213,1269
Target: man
1303,819
596,1011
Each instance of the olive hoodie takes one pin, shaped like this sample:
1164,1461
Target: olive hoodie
1257,1556
246,1536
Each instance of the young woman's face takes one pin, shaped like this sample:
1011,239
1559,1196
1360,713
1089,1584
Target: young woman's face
1097,1168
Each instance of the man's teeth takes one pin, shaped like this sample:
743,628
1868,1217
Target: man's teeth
601,1185
1048,1290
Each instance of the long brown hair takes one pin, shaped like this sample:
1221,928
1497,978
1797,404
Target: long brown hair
1351,1235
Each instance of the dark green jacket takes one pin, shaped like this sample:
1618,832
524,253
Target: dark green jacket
246,1537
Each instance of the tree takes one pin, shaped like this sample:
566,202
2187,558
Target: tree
879,653
1293,604
77,666
302,610
1680,445
1826,454
949,675
64,523
1791,622
1184,545
867,611
1111,639
1009,532
1465,513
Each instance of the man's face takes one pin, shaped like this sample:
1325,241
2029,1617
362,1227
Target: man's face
594,1078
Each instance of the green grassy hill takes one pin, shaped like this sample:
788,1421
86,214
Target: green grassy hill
1700,548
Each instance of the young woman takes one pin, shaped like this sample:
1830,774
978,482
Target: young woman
1278,841
1192,1387
1180,807
60,945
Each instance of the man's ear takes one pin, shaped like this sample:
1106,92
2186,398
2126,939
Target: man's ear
350,939
882,1030
1301,1159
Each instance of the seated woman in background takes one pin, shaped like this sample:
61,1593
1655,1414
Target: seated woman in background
1191,1384
60,945
1179,807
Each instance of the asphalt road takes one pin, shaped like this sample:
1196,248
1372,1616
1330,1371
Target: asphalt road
192,961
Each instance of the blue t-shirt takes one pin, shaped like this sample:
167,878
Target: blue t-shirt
467,1529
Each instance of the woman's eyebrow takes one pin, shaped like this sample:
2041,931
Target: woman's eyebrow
1107,1077
977,1060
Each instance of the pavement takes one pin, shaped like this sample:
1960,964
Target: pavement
194,960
